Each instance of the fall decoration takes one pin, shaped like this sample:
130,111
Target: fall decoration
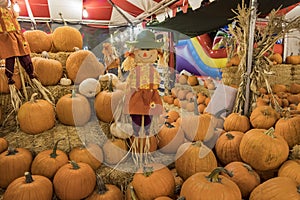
74,181
152,181
276,58
170,137
105,191
227,147
171,116
114,151
66,38
91,154
192,80
233,61
290,168
47,162
38,40
264,117
236,122
182,79
30,187
47,71
14,162
36,116
294,88
276,188
3,144
268,156
206,185
289,128
73,109
65,81
194,157
83,64
244,176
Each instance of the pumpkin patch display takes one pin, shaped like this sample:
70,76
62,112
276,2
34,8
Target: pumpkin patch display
38,40
90,87
263,150
290,168
210,186
14,162
73,109
152,181
66,38
194,157
236,122
47,71
114,151
293,59
263,117
47,162
91,154
83,64
74,181
36,116
33,187
4,88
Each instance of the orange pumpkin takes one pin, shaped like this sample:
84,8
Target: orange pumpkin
182,79
14,162
33,187
106,103
105,191
3,144
152,181
47,162
236,122
65,38
83,64
268,156
36,116
244,176
192,80
114,151
293,59
276,188
170,137
210,186
74,181
91,154
38,40
263,117
290,168
4,88
227,147
48,71
289,128
73,109
192,158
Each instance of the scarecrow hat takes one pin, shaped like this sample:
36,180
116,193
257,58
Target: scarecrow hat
145,40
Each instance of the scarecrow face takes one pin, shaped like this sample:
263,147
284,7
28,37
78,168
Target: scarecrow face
145,55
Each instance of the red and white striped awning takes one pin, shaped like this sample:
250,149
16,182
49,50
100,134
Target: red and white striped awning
102,12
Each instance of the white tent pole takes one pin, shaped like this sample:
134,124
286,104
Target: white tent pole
253,7
30,13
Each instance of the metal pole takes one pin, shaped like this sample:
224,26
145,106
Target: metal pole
253,7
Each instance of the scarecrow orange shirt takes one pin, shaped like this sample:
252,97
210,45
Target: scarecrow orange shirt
8,21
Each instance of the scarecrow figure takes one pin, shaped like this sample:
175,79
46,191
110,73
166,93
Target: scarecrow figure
14,46
111,59
142,101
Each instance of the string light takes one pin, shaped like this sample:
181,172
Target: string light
85,13
16,7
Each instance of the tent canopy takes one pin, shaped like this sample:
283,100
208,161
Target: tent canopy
215,15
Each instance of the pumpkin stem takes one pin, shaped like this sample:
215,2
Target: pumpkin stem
229,136
196,112
248,167
132,193
54,154
147,171
28,177
101,187
286,113
298,188
73,95
74,165
214,175
169,125
33,97
11,151
110,85
270,132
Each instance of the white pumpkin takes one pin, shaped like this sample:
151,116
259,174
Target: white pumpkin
89,87
121,130
107,76
65,81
